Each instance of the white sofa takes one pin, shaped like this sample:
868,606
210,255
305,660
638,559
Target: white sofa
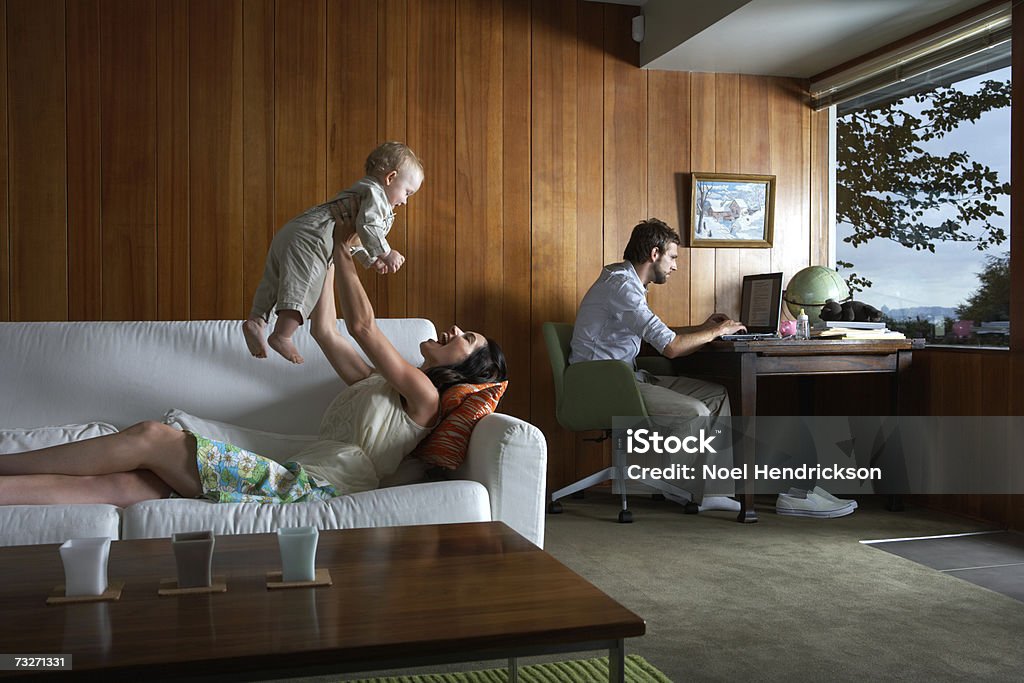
124,372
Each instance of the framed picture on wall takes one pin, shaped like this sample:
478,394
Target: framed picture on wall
732,210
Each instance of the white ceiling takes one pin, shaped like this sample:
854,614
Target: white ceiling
797,38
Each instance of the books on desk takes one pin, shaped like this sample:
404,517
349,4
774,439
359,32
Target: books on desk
878,331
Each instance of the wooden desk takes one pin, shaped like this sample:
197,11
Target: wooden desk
738,364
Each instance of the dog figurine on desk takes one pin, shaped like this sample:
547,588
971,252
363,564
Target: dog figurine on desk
850,310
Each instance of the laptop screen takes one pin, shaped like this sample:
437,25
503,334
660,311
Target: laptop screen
761,305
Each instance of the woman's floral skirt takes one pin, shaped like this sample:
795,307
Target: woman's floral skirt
230,474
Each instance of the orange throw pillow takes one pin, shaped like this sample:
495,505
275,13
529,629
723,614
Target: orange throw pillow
462,406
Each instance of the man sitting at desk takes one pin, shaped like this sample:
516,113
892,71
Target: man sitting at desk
614,317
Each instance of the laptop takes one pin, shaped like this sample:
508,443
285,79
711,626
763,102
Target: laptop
760,307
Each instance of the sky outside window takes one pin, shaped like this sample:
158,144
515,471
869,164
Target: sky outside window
904,278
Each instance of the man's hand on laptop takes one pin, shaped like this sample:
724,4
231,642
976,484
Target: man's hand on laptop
723,325
714,319
689,339
729,326
720,323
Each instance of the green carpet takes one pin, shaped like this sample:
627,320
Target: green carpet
638,670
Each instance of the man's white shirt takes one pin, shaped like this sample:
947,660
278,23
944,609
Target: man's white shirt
614,316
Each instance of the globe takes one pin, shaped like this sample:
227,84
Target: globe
809,288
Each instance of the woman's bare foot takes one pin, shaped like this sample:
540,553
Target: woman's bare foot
284,346
253,331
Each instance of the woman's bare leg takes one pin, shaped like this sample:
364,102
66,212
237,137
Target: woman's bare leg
121,489
158,448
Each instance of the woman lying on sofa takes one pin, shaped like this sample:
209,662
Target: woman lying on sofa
365,433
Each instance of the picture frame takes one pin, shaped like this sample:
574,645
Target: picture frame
732,210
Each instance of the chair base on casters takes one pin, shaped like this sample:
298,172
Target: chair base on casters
617,473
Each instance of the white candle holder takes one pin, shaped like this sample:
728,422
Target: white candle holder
85,566
298,553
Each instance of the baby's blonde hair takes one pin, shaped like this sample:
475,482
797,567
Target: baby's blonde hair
391,156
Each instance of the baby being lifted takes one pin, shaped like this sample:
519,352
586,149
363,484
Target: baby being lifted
301,250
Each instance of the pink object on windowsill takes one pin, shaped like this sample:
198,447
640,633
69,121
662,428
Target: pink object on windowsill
962,328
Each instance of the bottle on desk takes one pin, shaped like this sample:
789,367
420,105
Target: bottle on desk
803,326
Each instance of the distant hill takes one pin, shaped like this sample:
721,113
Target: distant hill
923,312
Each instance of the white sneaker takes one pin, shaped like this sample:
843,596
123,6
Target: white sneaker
811,505
709,503
828,496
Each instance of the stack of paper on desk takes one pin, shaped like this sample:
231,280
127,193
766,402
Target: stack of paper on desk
856,333
854,324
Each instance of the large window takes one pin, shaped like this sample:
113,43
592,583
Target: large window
922,200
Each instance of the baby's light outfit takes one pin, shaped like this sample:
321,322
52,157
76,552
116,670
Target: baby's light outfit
300,252
374,219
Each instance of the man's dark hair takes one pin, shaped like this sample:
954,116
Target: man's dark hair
486,364
647,235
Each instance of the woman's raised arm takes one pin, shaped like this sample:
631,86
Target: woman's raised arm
342,356
420,394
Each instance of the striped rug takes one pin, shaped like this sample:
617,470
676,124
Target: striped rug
638,670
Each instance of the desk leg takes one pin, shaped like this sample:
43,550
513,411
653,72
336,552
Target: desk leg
746,446
894,503
617,662
902,365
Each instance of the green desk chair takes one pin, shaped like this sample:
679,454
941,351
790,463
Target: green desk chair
587,396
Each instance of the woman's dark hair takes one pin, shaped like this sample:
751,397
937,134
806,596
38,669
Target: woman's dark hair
486,364
647,235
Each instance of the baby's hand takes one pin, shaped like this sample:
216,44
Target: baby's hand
392,261
379,266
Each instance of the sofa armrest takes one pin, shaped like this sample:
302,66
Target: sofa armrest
509,457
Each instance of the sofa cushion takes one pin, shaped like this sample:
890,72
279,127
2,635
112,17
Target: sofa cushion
126,372
443,502
20,440
462,406
30,524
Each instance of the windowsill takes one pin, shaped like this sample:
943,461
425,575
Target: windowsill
963,348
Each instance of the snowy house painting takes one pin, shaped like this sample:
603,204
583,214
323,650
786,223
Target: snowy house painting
732,210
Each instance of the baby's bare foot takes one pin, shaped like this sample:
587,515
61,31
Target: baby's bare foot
285,347
253,331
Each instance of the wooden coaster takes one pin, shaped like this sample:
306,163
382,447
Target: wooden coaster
321,578
170,587
112,593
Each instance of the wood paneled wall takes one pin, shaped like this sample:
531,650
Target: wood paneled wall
152,147
965,382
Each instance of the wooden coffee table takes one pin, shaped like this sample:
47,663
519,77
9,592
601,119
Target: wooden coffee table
402,596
